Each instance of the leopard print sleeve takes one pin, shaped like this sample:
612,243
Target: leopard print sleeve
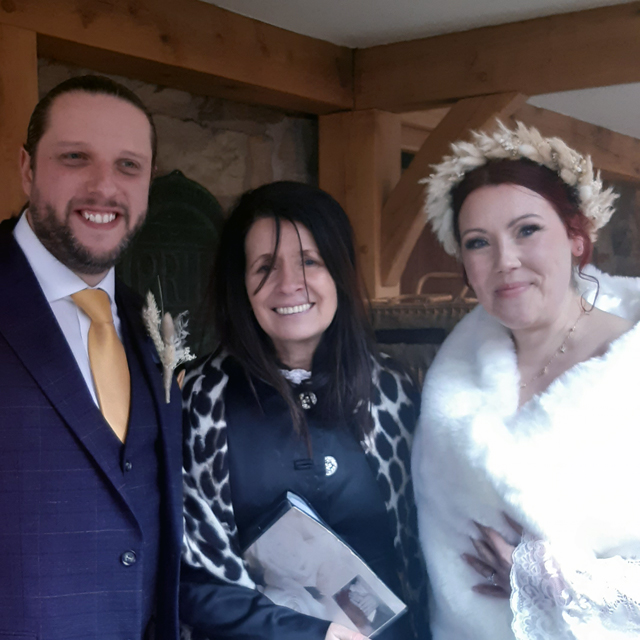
211,537
394,409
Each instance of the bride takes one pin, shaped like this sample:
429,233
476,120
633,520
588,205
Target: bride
526,459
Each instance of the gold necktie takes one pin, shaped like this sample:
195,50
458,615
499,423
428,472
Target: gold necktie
108,360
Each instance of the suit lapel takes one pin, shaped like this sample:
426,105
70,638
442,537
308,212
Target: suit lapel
169,454
169,415
130,311
32,331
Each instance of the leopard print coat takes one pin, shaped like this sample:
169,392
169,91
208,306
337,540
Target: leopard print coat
211,537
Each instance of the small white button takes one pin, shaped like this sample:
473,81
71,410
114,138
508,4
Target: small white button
330,465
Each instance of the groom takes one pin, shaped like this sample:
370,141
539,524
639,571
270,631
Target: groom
90,453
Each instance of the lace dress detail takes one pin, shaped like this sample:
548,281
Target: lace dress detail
599,601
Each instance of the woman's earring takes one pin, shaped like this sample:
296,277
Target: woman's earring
578,249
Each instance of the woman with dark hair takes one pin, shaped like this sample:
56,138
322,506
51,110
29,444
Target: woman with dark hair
296,399
525,472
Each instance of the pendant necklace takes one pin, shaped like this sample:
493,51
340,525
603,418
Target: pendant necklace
561,349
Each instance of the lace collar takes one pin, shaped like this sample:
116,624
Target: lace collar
296,376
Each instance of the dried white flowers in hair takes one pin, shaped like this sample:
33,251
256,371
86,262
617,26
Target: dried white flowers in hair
573,168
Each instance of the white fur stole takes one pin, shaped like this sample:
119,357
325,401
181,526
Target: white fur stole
564,465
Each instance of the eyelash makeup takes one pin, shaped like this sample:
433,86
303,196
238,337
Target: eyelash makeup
524,231
475,243
528,229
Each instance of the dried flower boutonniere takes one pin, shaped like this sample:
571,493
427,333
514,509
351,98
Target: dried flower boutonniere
168,335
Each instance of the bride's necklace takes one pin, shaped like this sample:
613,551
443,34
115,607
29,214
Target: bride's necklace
561,349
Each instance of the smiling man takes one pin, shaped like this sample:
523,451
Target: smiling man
90,462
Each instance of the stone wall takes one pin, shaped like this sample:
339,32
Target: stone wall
227,147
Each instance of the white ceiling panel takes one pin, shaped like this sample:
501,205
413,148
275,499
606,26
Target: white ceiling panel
616,107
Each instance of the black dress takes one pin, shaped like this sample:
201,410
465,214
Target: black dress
266,458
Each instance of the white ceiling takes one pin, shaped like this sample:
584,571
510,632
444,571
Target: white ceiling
616,107
363,23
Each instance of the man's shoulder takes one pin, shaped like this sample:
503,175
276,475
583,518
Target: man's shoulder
8,225
13,263
6,233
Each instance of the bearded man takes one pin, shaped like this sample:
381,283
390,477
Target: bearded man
90,460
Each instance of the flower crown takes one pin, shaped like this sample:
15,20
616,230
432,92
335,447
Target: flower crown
573,168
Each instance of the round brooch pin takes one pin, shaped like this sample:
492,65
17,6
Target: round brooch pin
307,399
330,465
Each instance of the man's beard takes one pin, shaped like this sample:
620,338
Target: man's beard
59,240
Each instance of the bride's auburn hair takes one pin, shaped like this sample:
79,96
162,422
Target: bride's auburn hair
539,179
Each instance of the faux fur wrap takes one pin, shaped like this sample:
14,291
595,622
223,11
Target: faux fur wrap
565,465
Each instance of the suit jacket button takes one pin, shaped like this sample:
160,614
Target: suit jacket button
127,466
128,558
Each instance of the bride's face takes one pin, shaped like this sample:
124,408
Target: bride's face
517,255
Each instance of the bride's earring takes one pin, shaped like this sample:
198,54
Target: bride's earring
578,247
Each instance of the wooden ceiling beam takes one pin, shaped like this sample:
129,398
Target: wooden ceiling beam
402,219
592,48
412,138
426,120
191,45
417,125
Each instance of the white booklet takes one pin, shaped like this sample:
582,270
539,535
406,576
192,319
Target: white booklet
298,562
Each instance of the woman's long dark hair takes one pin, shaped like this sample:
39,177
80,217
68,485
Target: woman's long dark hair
342,367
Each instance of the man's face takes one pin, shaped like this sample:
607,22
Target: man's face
89,188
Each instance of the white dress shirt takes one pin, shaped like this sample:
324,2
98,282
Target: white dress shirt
58,283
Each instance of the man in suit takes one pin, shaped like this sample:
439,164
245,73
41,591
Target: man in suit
90,451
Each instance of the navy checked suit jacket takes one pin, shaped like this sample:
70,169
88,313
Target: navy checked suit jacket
65,522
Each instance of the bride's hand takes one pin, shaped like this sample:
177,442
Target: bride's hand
494,560
338,632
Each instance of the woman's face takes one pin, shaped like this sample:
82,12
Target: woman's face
517,255
293,319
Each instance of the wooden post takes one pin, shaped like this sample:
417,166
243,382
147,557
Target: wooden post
359,157
402,218
18,96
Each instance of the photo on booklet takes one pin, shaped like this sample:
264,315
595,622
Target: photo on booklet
363,606
298,562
